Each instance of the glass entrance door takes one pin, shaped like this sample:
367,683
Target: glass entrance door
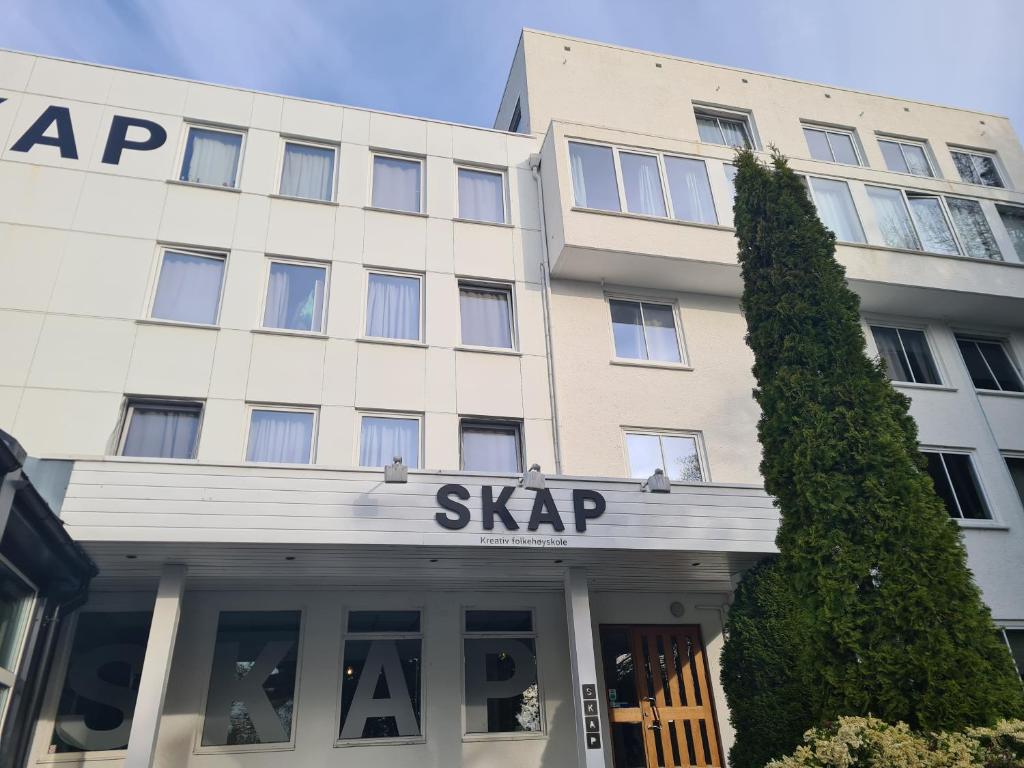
659,701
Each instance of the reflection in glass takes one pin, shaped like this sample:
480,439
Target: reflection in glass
593,176
642,182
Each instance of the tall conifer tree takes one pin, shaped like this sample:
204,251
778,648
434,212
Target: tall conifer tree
888,618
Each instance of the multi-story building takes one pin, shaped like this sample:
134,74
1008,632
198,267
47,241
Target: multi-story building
227,312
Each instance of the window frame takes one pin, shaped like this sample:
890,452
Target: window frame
250,407
900,142
163,249
673,305
386,271
970,453
495,170
397,155
826,129
743,117
696,435
467,737
300,262
494,286
424,688
187,127
9,675
809,186
1011,357
382,414
167,403
925,331
517,117
492,423
287,139
991,155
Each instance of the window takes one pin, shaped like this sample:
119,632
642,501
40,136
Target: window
1015,642
502,693
906,354
397,183
295,296
189,287
97,700
641,181
281,436
690,190
308,171
382,676
972,227
957,484
644,331
1013,220
905,157
491,446
164,430
1015,464
16,600
918,221
730,172
211,157
931,223
976,167
486,312
835,207
382,438
482,195
593,176
989,364
251,696
730,130
393,306
832,145
676,454
893,218
517,118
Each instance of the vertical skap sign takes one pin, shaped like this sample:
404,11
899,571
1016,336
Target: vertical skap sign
54,128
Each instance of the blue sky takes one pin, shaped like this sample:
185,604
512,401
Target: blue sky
448,59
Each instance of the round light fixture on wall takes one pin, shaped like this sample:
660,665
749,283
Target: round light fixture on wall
677,609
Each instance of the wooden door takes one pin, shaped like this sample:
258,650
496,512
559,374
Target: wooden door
659,701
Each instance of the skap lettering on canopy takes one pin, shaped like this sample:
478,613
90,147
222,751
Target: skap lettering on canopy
586,505
53,128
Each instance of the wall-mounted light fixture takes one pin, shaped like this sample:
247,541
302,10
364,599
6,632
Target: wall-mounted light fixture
396,472
657,483
533,479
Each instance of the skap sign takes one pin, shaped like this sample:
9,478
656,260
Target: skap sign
53,129
586,505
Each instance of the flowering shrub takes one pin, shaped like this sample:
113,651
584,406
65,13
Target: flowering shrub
867,742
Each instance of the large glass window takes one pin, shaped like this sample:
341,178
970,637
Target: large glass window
280,436
894,218
189,287
835,207
295,297
644,331
211,157
641,180
957,484
676,455
16,600
972,227
976,168
482,195
491,446
97,700
1013,220
251,696
906,354
161,430
593,176
728,130
1015,642
397,183
905,157
832,145
1016,466
382,676
502,693
690,190
989,363
308,171
932,226
393,306
382,438
486,313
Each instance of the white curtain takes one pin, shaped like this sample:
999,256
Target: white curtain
162,433
308,172
396,183
628,330
707,128
490,449
485,317
690,189
893,218
393,307
384,438
280,437
642,182
295,297
189,288
660,333
835,207
481,196
734,133
972,226
211,157
593,176
931,225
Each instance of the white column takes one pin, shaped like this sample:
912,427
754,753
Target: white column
583,664
156,668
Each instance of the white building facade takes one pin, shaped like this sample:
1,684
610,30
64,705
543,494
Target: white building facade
226,313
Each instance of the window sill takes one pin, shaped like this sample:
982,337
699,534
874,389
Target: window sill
180,183
176,323
502,224
659,219
984,525
417,214
511,736
233,749
290,332
488,350
379,742
998,393
932,254
392,342
650,364
926,387
293,198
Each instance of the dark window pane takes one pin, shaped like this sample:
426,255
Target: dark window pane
628,745
889,349
384,621
501,685
919,356
499,621
381,688
986,168
894,159
817,142
941,481
965,167
1015,638
1016,467
15,601
628,330
156,432
965,485
619,675
976,365
999,362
